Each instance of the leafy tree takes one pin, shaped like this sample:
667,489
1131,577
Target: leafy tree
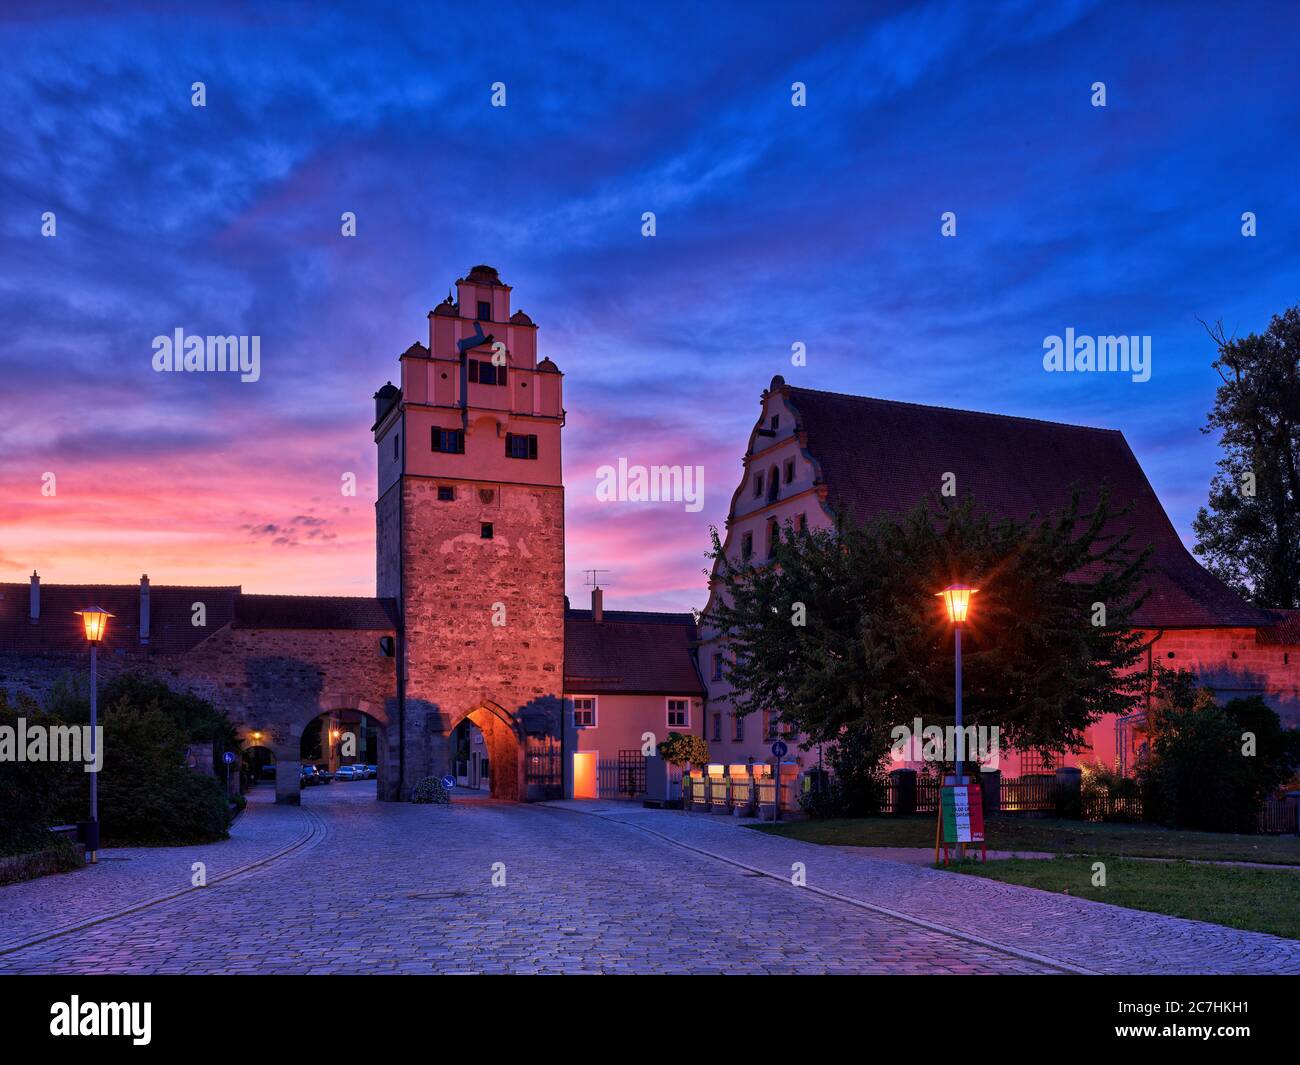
842,629
1249,535
683,749
1199,772
29,791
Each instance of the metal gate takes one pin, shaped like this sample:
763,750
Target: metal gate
631,773
542,768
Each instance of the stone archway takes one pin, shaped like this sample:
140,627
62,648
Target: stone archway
505,746
287,746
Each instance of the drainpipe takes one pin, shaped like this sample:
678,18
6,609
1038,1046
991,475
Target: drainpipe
401,616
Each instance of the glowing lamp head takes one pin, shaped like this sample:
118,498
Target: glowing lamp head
95,620
956,597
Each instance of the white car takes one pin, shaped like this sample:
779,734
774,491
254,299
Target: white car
348,772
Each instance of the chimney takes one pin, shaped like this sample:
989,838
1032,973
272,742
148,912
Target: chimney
597,605
144,609
36,597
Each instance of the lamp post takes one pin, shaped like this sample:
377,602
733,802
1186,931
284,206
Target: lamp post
95,621
956,598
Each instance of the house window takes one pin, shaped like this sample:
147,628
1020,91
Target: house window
747,545
484,311
773,485
584,711
451,441
446,493
485,530
789,470
717,728
717,667
770,725
397,439
679,713
776,422
758,485
486,372
773,537
803,523
521,447
737,727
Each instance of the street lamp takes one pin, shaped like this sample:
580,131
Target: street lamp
95,621
956,598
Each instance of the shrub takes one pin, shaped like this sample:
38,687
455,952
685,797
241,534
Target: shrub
431,790
29,791
684,749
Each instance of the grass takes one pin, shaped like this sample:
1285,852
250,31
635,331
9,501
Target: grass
1257,900
1051,835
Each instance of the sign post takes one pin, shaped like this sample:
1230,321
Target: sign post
779,751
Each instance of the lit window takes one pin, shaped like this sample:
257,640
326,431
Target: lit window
679,713
584,712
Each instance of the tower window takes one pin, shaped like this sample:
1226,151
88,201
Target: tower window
758,485
776,422
773,485
397,440
484,311
747,545
485,530
451,441
519,446
773,537
486,372
446,493
789,470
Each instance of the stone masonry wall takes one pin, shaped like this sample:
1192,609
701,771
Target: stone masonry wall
456,583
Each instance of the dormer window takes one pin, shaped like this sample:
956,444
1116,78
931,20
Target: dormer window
484,311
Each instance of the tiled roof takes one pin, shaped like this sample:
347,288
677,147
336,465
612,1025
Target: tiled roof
171,613
315,612
1286,631
630,652
879,456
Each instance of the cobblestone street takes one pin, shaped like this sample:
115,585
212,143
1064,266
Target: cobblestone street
344,884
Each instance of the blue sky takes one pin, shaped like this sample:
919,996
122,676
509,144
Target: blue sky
775,224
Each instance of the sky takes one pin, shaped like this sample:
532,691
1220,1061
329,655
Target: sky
775,224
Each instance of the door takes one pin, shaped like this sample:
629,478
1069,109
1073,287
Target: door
584,775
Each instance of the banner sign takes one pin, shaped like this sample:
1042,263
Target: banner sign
963,814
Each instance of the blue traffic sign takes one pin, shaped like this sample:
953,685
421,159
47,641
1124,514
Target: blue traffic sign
229,757
779,749
448,782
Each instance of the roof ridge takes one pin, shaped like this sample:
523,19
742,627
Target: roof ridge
955,410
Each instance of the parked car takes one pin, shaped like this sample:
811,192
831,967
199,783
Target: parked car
324,775
346,772
309,775
372,771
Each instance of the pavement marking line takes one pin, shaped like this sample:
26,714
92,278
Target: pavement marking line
1025,955
316,831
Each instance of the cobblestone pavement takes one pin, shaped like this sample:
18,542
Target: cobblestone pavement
1089,935
384,888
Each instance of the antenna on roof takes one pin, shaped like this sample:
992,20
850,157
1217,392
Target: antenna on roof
592,580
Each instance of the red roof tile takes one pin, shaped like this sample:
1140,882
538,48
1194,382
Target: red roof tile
630,652
879,456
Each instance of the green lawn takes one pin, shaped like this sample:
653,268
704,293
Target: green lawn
1259,900
1055,836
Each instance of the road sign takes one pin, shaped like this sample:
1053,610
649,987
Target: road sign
779,749
448,782
229,757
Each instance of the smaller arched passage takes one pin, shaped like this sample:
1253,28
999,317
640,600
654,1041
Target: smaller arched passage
258,765
343,731
504,746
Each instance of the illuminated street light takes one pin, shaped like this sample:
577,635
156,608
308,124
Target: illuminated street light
95,621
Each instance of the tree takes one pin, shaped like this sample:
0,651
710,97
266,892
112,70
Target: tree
842,628
1210,766
684,749
1249,535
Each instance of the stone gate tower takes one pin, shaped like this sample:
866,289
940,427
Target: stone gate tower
470,543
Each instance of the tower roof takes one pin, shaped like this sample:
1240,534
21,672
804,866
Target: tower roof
484,275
